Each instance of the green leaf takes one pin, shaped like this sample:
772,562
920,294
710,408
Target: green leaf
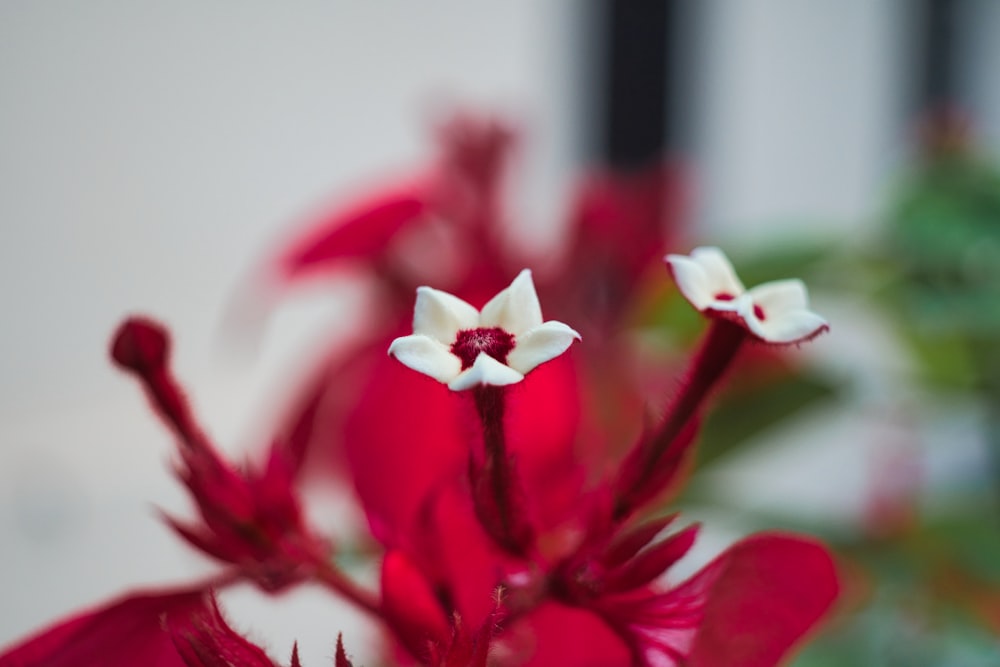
741,416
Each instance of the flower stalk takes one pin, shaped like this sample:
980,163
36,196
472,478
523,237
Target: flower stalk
497,492
335,580
652,463
722,342
141,347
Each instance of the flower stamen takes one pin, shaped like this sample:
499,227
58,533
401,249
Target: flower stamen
470,343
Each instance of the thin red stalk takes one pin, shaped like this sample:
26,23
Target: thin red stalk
494,482
490,407
717,351
169,400
335,580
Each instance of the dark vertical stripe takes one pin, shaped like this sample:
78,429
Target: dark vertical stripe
938,69
633,94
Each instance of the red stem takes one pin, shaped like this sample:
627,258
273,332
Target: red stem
717,351
496,465
336,581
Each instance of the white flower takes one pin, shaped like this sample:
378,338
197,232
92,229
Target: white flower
776,312
462,347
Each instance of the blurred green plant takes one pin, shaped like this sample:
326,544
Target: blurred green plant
942,242
923,577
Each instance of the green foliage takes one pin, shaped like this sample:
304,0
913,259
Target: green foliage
742,415
942,241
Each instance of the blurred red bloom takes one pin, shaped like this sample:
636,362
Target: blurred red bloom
513,529
125,632
251,517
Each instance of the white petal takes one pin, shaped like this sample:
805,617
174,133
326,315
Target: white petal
742,306
544,342
790,327
515,309
722,276
427,356
441,315
691,280
780,296
485,370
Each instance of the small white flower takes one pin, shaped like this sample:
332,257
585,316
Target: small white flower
776,312
462,347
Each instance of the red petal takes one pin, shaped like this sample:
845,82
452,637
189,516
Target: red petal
454,550
410,607
402,440
123,633
361,231
771,591
543,414
620,225
554,634
311,426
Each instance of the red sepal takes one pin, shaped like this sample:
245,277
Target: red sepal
125,632
629,543
341,659
650,563
204,639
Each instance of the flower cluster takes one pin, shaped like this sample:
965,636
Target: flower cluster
504,540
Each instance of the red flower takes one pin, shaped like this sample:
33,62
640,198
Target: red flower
250,517
126,632
503,543
748,607
453,211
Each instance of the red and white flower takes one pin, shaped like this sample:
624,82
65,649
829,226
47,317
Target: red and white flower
775,312
462,347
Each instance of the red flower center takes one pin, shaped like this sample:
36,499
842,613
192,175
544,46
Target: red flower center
757,310
494,341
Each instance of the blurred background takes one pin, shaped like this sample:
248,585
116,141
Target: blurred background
152,153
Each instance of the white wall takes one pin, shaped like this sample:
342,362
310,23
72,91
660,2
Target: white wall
797,113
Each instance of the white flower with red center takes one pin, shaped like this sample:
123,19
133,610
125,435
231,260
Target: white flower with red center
775,312
462,347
